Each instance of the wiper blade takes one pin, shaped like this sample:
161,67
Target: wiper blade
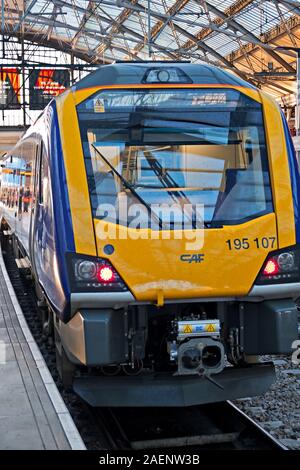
129,186
168,182
148,186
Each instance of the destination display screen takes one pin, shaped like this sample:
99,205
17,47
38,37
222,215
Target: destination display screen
45,84
9,88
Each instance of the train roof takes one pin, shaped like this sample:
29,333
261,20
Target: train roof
128,73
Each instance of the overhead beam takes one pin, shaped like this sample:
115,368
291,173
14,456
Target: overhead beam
25,13
56,44
99,17
290,4
89,33
116,30
272,35
85,18
157,28
277,85
30,64
200,44
50,29
162,16
250,36
233,10
117,25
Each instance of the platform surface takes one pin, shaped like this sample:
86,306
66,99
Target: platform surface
32,412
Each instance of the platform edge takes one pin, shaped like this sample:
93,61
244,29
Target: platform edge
71,432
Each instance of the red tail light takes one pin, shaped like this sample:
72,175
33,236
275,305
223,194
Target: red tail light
105,274
271,267
89,273
281,266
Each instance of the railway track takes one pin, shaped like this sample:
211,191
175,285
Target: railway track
213,426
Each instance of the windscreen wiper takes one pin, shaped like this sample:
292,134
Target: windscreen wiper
168,182
130,187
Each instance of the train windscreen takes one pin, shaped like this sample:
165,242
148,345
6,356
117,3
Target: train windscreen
163,147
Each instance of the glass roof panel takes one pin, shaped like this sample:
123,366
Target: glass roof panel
211,30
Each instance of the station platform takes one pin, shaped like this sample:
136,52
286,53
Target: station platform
33,415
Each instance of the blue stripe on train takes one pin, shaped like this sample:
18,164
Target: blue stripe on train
63,220
294,174
60,185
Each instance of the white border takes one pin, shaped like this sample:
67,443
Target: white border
66,420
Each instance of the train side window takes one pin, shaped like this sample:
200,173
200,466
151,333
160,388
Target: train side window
39,173
36,169
43,177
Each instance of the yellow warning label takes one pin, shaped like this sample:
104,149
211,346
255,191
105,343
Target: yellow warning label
210,327
187,329
99,106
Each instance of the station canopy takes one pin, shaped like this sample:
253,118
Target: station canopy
244,36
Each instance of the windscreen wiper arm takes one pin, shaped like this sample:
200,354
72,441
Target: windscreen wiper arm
129,186
166,179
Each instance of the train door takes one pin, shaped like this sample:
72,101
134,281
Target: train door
37,212
40,199
43,222
35,165
42,244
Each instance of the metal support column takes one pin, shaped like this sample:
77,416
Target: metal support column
2,18
149,31
23,83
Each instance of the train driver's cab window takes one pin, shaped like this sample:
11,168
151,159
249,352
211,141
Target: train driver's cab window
163,147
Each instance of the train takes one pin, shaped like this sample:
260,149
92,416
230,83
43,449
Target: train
155,206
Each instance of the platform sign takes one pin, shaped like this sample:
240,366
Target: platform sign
45,84
10,86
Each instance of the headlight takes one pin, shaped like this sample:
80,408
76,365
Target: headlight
93,274
85,270
286,261
281,266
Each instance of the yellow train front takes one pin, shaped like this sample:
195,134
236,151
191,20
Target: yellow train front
182,192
